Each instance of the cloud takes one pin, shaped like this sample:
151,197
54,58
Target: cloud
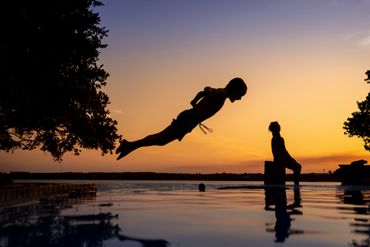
250,166
328,162
365,41
344,158
309,164
117,111
360,38
213,169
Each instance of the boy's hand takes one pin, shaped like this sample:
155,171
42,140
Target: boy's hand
197,98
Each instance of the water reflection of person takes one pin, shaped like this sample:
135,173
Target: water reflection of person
283,212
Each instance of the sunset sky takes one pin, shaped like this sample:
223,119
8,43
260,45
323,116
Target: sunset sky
304,63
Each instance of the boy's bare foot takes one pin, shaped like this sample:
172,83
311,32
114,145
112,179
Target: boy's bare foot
124,149
121,146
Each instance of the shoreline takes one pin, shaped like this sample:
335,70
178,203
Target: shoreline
305,177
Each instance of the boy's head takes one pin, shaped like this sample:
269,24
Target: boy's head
236,89
274,127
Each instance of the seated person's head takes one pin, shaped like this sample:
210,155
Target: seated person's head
236,89
274,127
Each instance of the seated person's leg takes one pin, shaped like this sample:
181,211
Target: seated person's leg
296,168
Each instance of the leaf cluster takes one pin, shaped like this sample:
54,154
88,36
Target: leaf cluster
50,79
359,123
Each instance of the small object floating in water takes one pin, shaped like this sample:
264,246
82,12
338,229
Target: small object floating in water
105,204
202,187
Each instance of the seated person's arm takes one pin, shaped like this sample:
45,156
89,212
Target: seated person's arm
279,150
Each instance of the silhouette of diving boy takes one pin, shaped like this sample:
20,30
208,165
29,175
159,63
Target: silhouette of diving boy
205,104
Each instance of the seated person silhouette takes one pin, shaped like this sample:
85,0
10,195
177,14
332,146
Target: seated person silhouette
281,155
205,104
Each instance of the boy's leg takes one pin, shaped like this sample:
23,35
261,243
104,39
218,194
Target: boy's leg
159,139
179,127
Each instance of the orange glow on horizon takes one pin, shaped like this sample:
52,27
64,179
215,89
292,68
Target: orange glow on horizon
307,73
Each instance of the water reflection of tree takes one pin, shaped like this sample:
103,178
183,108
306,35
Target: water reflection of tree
84,230
360,201
276,200
52,205
50,228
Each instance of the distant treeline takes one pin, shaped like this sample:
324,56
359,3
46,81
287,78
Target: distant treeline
164,176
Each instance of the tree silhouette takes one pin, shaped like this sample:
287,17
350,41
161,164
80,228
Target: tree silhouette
359,123
50,91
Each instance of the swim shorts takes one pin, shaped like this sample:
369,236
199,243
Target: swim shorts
185,122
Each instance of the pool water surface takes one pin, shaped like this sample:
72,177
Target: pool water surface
163,213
